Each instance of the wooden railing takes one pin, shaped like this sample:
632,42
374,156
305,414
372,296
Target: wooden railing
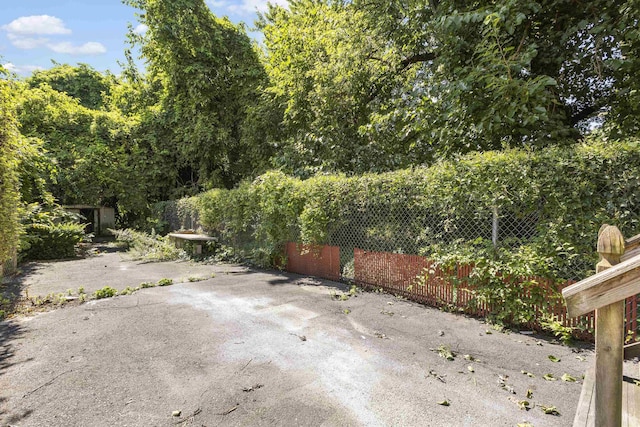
605,293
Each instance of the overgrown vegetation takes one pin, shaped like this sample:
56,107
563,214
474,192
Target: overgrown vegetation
571,191
9,195
50,233
448,110
148,247
337,87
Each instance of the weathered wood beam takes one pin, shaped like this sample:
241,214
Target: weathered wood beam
632,247
609,336
609,286
632,350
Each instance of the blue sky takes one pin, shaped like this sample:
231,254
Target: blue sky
33,32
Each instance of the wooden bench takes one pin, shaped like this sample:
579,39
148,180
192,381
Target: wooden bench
197,239
608,398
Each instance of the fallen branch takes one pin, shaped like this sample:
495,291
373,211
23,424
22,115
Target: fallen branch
190,417
245,366
228,411
46,384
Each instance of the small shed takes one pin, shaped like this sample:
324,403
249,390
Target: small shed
99,218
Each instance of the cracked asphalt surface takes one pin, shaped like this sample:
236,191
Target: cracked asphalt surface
258,348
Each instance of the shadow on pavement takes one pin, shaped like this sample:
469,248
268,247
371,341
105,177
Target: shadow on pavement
9,332
286,278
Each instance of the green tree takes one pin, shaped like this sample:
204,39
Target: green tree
324,63
90,152
211,74
512,73
410,81
82,82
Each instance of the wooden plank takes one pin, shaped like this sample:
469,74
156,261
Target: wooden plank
631,247
585,416
628,254
632,242
632,350
631,403
604,288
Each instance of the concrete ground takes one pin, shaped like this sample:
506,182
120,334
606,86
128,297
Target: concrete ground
250,347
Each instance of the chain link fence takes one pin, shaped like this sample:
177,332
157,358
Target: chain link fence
404,227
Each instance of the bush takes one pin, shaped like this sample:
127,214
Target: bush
148,247
50,233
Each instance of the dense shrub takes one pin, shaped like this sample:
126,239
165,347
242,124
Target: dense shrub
9,196
50,233
566,193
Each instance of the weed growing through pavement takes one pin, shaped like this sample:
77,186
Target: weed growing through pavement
165,282
29,304
106,292
127,291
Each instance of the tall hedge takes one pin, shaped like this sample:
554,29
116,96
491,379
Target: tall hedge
566,193
9,196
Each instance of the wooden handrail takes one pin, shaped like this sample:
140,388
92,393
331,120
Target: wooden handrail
615,284
631,247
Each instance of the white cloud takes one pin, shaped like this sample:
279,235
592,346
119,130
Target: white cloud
21,33
21,69
214,3
90,48
36,24
141,29
26,42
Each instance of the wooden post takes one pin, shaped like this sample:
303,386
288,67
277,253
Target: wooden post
609,337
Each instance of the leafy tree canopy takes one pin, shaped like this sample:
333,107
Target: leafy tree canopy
82,82
437,77
211,74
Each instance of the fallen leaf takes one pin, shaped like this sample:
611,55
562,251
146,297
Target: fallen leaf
529,394
549,410
549,377
470,368
568,378
444,403
176,413
469,357
524,405
529,374
554,359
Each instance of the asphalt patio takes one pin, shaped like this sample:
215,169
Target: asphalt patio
247,347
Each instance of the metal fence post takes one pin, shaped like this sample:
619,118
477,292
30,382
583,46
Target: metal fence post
494,227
